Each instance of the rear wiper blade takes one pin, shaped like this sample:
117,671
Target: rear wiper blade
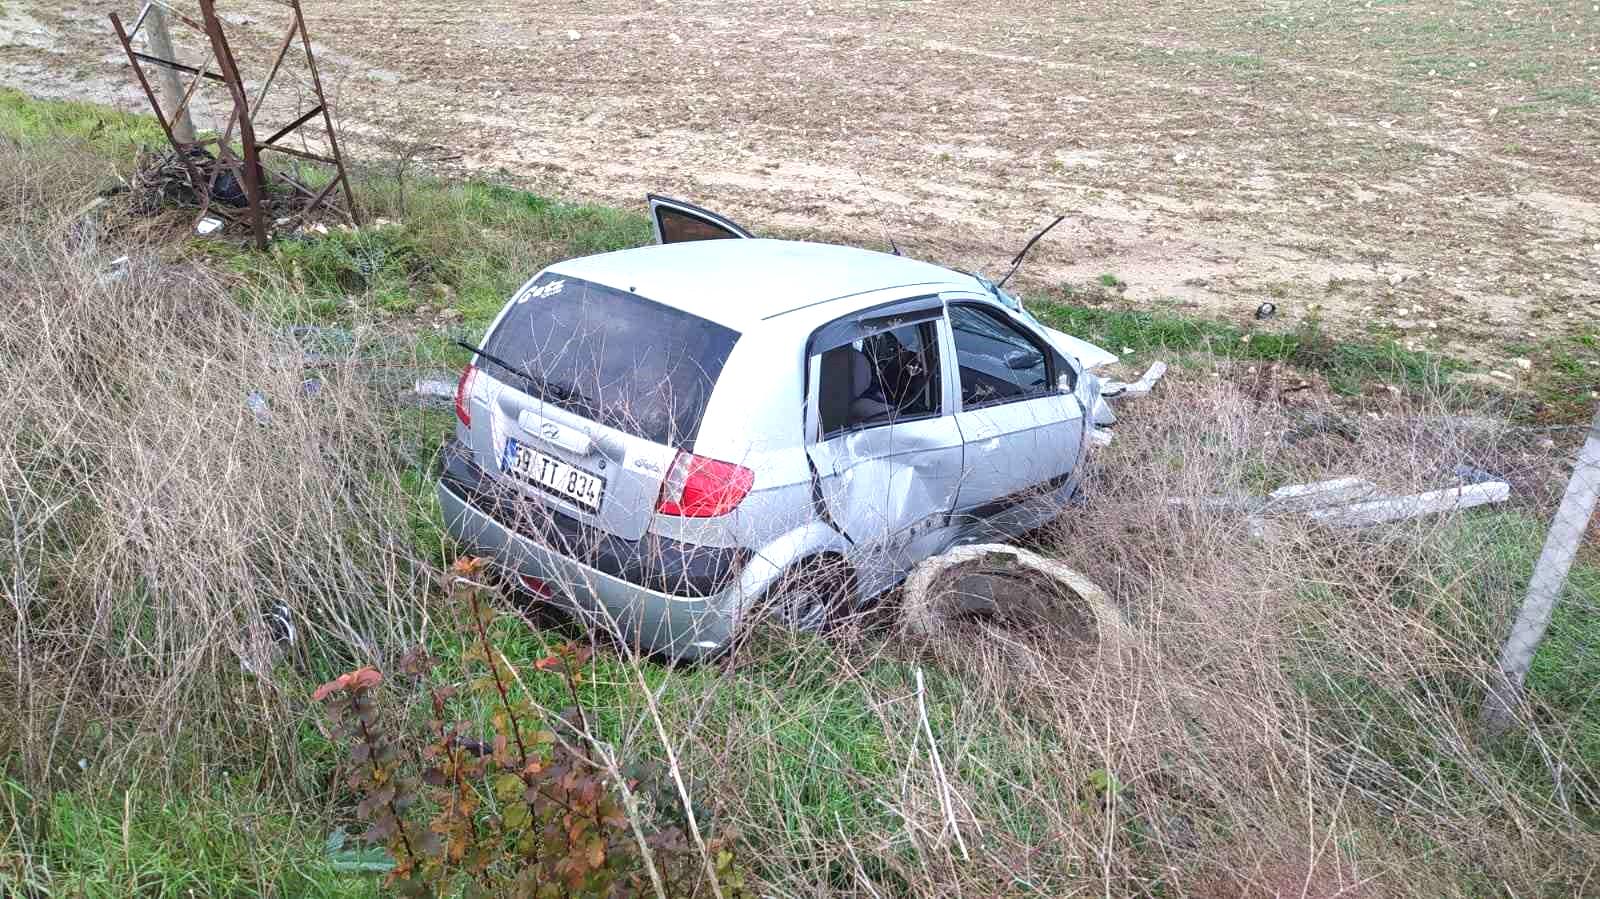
539,384
541,387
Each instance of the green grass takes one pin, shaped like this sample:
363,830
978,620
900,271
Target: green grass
442,245
227,842
1568,368
819,743
1461,586
114,133
1349,365
820,737
823,746
1570,95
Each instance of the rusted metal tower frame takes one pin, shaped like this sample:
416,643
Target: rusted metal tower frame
248,169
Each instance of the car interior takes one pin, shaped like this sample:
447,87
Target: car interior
889,376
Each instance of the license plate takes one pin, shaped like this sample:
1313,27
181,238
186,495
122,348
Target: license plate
554,476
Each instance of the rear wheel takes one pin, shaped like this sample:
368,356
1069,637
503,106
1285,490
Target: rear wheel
811,596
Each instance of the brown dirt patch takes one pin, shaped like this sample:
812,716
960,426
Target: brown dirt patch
1423,171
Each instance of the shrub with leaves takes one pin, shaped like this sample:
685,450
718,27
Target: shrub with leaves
535,809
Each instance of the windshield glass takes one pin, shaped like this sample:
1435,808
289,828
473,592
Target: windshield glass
612,356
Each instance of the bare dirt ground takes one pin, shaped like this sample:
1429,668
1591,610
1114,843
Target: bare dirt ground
1428,171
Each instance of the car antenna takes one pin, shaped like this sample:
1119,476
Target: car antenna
884,224
893,247
1017,262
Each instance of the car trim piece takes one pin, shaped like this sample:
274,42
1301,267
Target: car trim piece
874,320
858,293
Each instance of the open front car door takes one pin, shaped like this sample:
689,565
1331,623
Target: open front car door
675,221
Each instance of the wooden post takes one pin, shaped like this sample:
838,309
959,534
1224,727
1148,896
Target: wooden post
1549,576
172,93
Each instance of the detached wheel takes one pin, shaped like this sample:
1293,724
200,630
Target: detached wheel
811,597
1011,587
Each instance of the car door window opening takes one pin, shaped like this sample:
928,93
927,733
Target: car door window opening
997,361
679,227
680,222
883,378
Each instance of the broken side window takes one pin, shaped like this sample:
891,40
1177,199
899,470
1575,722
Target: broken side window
999,363
883,378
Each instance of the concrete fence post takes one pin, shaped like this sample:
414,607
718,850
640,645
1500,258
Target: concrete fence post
1544,588
172,92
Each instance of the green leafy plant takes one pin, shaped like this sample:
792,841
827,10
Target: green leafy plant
533,810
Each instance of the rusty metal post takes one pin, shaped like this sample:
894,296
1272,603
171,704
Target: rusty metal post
251,176
327,117
245,164
155,104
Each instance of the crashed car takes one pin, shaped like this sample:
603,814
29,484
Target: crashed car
670,438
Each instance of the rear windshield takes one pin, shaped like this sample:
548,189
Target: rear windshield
613,357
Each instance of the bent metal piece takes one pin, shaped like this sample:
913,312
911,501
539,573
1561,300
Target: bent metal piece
938,590
244,165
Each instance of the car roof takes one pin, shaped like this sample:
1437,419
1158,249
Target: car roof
737,283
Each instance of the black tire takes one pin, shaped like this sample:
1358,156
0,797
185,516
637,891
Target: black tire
813,596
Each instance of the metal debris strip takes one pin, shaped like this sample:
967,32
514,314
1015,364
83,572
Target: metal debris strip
224,170
1116,390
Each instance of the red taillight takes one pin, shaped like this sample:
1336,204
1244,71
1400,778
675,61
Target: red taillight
697,487
463,390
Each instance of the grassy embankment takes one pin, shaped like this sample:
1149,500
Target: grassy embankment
1290,715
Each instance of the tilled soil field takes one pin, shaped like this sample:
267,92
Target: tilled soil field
1428,171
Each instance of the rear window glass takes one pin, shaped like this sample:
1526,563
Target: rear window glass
613,357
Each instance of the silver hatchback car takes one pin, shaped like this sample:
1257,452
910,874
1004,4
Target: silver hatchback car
665,439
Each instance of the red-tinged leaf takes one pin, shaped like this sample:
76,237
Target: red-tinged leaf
366,679
438,703
378,798
548,663
469,566
336,685
416,661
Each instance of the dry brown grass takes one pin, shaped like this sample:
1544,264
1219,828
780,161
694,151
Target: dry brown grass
150,518
1284,716
1287,716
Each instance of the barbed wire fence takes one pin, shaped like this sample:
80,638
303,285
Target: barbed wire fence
1569,530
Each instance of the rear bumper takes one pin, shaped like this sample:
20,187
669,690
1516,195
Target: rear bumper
684,627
